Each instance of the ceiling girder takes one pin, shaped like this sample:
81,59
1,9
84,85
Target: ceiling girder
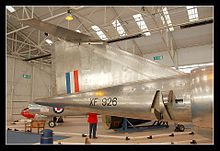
126,29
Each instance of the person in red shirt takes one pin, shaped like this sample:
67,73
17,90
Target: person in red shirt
92,124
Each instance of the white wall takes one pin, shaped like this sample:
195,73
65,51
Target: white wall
194,55
21,91
186,56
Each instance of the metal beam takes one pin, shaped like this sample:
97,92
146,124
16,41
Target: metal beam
34,43
125,38
81,22
170,41
44,50
105,15
26,11
116,16
28,51
20,41
91,22
83,26
51,11
46,19
38,57
21,46
84,18
32,11
120,20
167,43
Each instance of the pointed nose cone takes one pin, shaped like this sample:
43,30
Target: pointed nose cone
25,113
22,113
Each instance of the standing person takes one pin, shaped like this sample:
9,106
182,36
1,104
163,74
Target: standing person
92,124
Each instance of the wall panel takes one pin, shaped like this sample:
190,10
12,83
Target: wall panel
19,90
186,56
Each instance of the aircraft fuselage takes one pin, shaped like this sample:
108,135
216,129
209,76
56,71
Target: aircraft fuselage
133,100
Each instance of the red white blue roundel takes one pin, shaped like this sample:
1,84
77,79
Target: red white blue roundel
58,110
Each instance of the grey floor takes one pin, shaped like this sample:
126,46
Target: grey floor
70,133
14,137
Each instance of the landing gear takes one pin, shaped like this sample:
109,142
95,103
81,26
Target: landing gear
60,120
179,128
53,122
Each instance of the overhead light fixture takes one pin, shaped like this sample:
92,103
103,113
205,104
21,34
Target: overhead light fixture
78,31
46,34
69,16
10,8
49,41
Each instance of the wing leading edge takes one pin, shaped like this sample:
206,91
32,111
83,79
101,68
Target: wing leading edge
63,33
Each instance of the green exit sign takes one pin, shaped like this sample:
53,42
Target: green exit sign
158,57
26,76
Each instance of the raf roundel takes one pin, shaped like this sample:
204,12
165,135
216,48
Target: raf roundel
58,110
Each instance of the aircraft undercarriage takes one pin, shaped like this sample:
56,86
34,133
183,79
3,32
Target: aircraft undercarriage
52,123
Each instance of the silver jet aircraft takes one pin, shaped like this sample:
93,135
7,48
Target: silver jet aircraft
165,93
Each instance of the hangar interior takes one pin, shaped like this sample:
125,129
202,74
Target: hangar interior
181,37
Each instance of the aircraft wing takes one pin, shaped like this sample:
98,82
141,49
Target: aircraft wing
63,33
147,69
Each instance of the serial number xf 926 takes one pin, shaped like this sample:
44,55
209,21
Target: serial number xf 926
103,101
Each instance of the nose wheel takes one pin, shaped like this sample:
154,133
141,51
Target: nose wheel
60,120
179,128
51,124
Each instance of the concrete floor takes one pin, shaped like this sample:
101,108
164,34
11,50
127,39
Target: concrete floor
74,127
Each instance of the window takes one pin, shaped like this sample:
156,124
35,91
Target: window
119,28
49,41
141,24
99,32
167,18
10,8
188,68
192,13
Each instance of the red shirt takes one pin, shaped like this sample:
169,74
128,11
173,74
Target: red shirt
92,118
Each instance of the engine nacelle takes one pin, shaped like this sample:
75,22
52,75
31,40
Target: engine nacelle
203,100
114,122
